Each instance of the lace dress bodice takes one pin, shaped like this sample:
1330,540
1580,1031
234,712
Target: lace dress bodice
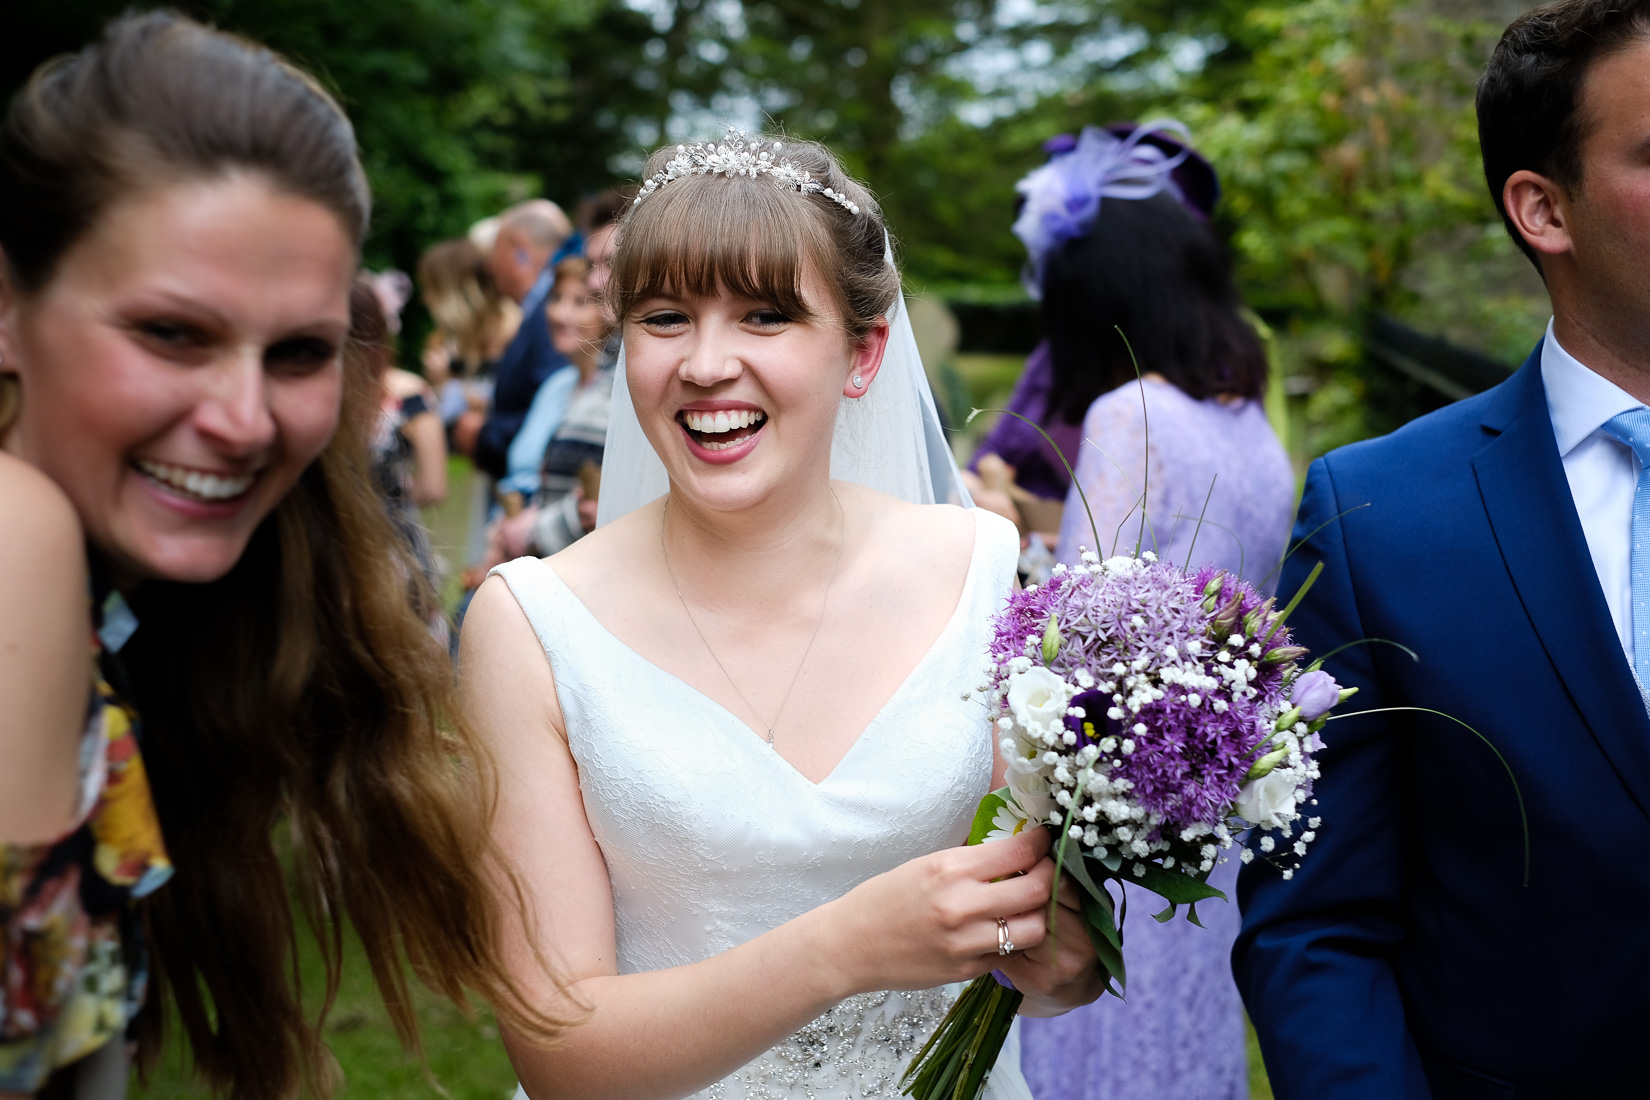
712,838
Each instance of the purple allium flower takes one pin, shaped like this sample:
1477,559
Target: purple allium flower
1315,693
1208,664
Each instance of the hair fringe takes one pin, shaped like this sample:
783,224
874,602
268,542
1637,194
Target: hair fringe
702,235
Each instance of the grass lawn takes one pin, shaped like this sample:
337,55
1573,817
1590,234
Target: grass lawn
465,1055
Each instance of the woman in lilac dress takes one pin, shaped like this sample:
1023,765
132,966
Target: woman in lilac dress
1038,445
1191,429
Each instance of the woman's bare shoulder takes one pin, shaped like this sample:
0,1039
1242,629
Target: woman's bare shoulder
609,551
40,535
923,543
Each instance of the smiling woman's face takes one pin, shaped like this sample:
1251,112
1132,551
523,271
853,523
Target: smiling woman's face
738,399
575,318
182,368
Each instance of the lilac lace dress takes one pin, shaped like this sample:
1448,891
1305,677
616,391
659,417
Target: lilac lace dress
1180,1032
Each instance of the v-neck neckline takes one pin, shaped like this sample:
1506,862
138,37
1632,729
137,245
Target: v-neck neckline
755,738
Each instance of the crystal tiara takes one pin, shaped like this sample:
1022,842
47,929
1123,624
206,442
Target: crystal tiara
735,156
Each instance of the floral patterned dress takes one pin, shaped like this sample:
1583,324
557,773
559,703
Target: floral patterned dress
73,969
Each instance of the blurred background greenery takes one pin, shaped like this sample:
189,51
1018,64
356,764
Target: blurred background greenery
1342,129
1343,132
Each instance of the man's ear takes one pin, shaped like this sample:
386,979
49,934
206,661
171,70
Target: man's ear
867,359
1539,209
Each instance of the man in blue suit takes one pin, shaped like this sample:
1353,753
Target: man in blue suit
1422,950
532,236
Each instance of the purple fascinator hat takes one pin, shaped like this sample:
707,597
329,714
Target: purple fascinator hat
1061,200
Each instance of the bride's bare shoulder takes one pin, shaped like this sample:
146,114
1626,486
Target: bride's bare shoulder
592,561
930,540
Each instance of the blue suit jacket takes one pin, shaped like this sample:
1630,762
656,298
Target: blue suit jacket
527,361
1407,958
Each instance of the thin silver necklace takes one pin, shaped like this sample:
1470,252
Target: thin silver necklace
842,520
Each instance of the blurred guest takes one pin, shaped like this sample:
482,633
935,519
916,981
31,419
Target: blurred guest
599,219
598,225
409,449
529,238
564,508
1015,471
1116,252
474,323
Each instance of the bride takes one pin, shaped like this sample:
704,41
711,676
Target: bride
737,786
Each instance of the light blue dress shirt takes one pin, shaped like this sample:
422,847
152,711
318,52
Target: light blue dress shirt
1603,472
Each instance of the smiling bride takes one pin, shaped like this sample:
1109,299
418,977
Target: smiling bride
736,726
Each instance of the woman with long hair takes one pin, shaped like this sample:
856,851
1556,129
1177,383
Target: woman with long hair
474,320
474,323
1151,351
270,735
735,724
563,508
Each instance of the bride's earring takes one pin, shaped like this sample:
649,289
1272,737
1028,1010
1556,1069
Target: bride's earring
859,383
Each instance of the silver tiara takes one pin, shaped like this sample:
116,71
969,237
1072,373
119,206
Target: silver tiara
735,156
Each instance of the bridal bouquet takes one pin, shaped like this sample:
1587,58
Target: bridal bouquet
1147,716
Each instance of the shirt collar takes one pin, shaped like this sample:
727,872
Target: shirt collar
1579,399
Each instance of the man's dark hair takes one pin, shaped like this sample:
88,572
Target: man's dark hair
1529,111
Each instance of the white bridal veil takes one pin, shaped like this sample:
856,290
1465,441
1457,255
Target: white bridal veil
890,439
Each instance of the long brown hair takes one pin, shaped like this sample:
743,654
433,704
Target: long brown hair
467,306
303,687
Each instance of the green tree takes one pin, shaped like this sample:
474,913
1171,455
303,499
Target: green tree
460,106
1353,186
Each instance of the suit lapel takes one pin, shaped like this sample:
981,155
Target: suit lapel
1533,515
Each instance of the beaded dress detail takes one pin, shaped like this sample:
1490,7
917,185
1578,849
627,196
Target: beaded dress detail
711,838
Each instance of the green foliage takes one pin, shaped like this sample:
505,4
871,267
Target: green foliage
1349,154
460,106
1342,129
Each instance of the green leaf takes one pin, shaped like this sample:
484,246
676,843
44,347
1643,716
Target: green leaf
1174,887
1107,939
985,817
1072,859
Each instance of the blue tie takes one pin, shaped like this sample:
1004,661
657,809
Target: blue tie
1633,428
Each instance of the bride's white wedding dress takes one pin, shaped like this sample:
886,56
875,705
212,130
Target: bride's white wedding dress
711,838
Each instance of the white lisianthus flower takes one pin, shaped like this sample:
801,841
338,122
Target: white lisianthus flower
1269,801
1031,790
1038,698
1027,755
1009,821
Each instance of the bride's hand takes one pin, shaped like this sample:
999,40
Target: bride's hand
933,920
1057,977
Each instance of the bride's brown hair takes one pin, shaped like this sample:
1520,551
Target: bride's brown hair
754,236
303,688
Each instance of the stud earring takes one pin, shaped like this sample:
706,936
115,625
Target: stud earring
859,383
